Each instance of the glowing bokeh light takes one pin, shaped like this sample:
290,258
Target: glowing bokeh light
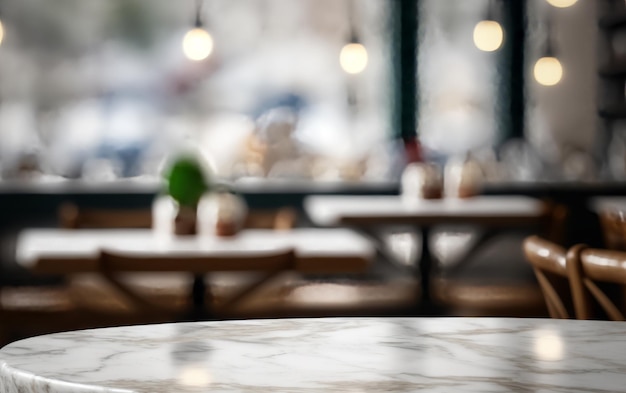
548,71
548,346
562,3
353,58
195,376
197,44
488,35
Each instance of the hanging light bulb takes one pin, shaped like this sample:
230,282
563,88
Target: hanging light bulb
562,3
488,35
198,43
353,58
548,71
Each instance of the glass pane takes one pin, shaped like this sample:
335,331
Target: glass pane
457,82
101,89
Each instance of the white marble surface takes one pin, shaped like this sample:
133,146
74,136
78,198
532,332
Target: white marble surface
35,244
330,355
328,210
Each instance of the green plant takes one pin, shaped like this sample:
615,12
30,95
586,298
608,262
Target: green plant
186,181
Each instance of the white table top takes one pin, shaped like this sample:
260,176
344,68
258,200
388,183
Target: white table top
329,355
608,204
58,246
330,210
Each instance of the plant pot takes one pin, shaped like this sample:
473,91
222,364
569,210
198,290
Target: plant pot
168,218
422,181
185,221
463,178
221,214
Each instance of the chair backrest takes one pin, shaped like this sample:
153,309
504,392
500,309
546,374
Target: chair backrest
556,218
549,262
265,261
113,265
73,217
589,270
613,230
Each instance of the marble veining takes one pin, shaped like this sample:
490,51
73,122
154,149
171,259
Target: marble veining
330,355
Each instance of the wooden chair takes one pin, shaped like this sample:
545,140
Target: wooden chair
72,217
29,311
94,292
613,230
549,262
591,273
114,268
499,282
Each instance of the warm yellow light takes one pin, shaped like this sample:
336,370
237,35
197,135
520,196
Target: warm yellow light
1,32
197,44
195,376
353,58
548,71
548,345
488,35
562,3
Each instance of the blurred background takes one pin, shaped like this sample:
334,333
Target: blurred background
312,90
288,99
101,89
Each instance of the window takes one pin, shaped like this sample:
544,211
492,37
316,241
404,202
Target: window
100,89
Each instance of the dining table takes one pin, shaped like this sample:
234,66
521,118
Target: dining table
494,213
315,251
330,355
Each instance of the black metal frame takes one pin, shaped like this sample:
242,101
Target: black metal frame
404,28
404,23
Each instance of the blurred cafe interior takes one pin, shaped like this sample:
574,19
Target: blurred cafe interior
212,160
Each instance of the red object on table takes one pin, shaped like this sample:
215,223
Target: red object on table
413,150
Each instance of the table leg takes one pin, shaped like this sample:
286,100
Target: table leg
425,264
482,240
422,267
199,292
426,267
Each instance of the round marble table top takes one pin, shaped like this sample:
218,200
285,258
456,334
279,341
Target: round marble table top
330,355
